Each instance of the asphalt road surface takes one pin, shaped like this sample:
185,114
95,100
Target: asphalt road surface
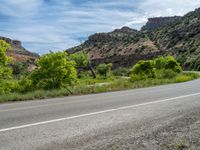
86,122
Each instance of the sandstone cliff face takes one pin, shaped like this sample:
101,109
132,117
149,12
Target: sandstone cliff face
20,54
157,22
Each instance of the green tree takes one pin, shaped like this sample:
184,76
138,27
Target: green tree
168,62
104,69
81,59
5,70
143,69
82,62
55,70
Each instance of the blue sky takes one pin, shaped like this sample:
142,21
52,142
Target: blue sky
44,25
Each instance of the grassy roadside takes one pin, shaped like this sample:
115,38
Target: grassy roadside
81,89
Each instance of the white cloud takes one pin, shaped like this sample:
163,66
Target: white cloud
20,8
168,7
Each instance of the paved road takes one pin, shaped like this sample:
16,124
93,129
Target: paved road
80,121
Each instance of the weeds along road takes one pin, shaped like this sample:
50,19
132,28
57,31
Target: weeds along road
85,122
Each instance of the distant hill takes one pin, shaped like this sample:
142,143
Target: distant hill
122,47
20,54
179,36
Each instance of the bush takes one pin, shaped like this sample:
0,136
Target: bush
80,58
161,68
25,85
104,69
121,71
55,70
7,86
168,62
143,69
165,74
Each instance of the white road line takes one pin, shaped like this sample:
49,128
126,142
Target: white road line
96,113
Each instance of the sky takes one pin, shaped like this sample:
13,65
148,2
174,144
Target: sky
44,25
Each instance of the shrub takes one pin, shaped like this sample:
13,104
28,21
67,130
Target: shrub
143,69
121,71
165,73
55,70
8,86
104,69
168,62
183,78
25,85
5,71
80,58
19,68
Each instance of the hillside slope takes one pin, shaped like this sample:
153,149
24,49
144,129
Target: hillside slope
182,39
20,54
124,47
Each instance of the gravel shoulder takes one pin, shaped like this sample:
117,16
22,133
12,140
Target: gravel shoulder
174,127
180,133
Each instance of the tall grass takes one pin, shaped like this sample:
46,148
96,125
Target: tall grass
82,88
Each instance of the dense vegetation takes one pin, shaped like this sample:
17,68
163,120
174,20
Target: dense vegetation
61,74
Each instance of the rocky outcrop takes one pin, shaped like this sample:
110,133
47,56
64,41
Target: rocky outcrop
158,22
17,47
20,54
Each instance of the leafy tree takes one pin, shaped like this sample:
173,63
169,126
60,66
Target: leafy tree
81,59
171,63
161,67
55,70
5,71
104,69
168,62
4,59
82,62
144,69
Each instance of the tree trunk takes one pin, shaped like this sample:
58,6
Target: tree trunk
92,71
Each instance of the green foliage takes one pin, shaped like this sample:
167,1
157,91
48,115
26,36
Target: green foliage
4,59
7,86
104,69
5,71
183,78
121,71
186,76
19,68
161,68
55,70
142,70
115,85
165,74
81,59
25,85
168,62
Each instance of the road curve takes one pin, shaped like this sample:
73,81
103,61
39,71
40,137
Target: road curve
80,121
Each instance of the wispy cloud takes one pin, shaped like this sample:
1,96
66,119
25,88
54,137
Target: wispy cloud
45,25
